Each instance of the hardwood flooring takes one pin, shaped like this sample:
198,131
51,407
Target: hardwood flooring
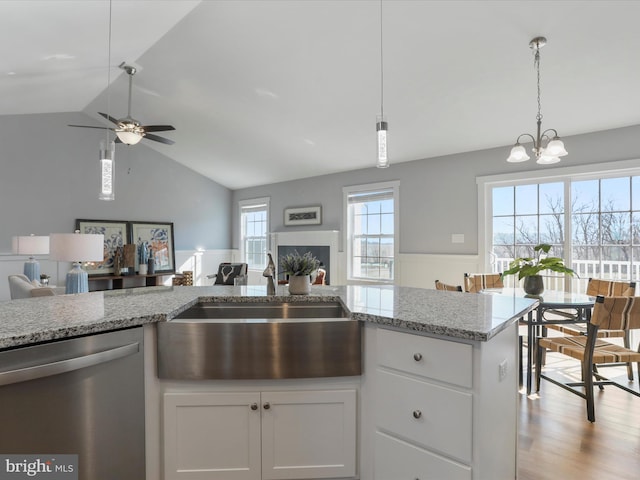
557,442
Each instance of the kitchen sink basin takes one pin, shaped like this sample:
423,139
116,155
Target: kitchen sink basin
264,311
260,340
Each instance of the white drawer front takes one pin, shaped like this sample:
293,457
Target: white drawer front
444,415
449,362
395,459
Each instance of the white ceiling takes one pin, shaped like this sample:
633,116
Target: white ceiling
265,91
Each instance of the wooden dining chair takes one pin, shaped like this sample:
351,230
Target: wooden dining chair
447,287
609,313
607,288
475,282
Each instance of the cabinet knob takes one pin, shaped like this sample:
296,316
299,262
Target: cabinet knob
254,406
417,357
417,414
266,406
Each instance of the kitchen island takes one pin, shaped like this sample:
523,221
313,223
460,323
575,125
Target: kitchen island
450,410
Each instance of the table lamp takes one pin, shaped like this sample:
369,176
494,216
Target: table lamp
77,248
31,245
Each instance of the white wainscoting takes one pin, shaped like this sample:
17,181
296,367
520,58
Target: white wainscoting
422,270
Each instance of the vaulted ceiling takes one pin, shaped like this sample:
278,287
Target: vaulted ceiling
271,90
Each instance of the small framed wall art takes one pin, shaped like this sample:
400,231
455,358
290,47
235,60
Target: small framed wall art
116,234
303,216
159,238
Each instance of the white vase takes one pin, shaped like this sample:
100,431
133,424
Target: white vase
299,285
142,269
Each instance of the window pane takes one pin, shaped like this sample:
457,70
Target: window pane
551,198
526,199
527,229
585,196
552,228
616,228
635,189
503,201
503,231
616,194
585,229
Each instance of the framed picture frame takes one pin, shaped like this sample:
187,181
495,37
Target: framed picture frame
116,234
159,237
303,215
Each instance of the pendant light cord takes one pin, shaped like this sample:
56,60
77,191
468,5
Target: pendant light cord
536,62
109,69
381,68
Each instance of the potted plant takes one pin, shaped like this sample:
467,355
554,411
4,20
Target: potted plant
529,268
299,269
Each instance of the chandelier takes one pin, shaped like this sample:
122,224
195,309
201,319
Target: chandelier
548,153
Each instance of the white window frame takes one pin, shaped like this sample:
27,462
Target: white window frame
563,174
393,185
253,202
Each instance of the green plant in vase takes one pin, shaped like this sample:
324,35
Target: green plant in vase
529,268
299,268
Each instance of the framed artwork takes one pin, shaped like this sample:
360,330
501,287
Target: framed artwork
303,216
159,238
116,234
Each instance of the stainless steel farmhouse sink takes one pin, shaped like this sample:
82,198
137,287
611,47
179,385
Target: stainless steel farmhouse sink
260,340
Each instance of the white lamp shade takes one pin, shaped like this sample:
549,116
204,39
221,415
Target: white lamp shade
518,154
30,245
555,148
77,247
546,159
130,138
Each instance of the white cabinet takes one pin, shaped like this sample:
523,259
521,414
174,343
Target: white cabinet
260,435
437,408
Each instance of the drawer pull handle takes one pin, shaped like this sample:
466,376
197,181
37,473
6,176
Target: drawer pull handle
254,406
417,357
266,406
417,414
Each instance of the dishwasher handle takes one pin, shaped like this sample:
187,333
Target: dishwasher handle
68,365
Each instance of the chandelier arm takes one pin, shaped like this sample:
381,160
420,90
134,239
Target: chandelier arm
548,137
526,135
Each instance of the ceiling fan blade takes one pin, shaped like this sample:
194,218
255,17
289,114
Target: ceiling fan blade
89,126
158,128
110,118
156,138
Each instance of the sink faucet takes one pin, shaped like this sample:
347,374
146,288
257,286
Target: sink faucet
270,273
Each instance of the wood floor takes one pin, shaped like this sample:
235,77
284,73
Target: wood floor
557,442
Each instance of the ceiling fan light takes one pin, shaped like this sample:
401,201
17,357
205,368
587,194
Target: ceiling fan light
556,148
129,138
518,154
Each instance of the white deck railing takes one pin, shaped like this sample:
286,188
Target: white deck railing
608,270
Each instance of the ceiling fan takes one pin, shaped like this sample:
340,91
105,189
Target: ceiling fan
128,129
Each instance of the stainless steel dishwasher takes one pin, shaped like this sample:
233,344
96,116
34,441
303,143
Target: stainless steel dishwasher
81,396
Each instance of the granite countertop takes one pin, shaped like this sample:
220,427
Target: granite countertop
450,314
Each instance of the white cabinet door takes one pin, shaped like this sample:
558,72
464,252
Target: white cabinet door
308,434
212,436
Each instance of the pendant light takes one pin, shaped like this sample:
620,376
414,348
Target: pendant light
554,148
381,123
107,147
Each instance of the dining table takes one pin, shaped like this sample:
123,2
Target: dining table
554,307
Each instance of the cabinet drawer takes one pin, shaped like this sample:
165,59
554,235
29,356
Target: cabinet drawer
396,459
433,416
449,362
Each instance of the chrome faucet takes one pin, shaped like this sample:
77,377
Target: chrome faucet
270,273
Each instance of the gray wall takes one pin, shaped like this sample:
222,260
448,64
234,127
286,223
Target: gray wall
49,177
438,196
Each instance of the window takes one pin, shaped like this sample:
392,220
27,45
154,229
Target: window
592,220
371,226
254,224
